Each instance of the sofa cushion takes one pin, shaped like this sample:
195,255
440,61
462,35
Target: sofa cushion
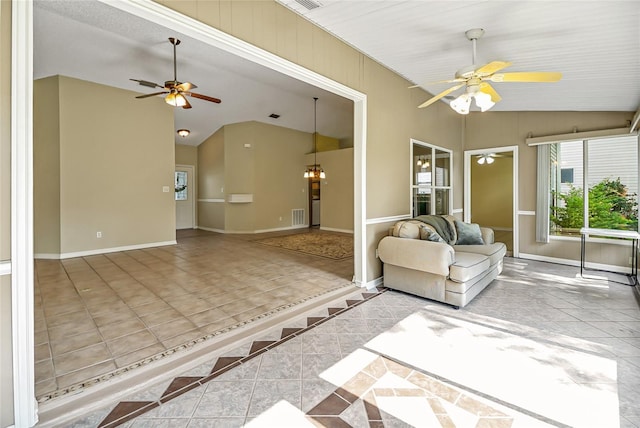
468,233
467,266
495,251
407,229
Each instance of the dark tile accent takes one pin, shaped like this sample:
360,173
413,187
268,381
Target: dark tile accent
289,331
373,413
353,302
333,311
368,295
333,405
376,424
179,386
125,411
260,344
224,362
343,393
330,422
313,320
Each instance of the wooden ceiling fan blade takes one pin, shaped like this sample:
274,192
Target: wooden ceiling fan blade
187,104
147,83
488,89
186,86
204,97
152,95
530,76
440,95
492,67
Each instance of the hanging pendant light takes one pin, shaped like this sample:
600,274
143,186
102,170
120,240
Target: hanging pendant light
315,171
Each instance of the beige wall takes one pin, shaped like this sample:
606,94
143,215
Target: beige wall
392,116
6,359
499,129
46,161
336,191
211,181
492,193
116,155
186,155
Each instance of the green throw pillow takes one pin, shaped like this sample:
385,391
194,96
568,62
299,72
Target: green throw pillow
468,234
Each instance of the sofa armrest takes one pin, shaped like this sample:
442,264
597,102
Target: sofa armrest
487,235
426,256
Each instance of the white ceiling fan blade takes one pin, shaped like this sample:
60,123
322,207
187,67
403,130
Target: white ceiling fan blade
527,76
440,95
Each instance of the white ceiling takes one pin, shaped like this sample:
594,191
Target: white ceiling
92,41
595,44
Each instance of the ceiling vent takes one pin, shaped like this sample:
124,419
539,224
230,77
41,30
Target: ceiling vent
274,116
309,4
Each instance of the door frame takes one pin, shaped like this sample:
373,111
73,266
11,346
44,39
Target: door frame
194,195
22,272
467,188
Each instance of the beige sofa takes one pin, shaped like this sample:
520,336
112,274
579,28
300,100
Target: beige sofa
452,269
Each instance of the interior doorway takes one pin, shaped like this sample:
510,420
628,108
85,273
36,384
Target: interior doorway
491,192
184,195
314,201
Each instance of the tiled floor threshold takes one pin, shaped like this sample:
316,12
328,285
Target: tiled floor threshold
325,412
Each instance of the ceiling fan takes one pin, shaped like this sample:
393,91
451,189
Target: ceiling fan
476,79
487,158
175,89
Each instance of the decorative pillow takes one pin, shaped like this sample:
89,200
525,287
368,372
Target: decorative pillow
468,233
406,229
428,233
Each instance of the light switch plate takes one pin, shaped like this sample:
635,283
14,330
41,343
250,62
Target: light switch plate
165,189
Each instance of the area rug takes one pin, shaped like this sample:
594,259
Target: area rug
329,245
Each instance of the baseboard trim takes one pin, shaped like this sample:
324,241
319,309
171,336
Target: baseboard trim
571,262
331,229
211,229
5,268
371,284
251,232
63,256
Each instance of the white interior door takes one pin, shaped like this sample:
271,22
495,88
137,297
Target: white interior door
184,194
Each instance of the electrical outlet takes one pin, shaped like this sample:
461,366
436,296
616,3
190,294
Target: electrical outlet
280,219
98,234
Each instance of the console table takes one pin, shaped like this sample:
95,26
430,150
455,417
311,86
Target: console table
618,234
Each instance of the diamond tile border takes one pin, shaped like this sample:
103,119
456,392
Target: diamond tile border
75,388
124,411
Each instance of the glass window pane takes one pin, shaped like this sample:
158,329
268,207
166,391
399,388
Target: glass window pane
181,186
443,160
613,183
421,202
442,201
567,205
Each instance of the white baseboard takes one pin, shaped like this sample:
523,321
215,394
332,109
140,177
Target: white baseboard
5,268
331,229
63,256
571,262
370,284
210,229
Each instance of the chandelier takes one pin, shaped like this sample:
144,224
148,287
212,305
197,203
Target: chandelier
315,171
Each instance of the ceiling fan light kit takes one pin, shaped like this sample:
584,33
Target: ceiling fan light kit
176,91
475,78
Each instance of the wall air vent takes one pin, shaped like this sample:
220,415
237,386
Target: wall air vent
297,217
274,116
309,4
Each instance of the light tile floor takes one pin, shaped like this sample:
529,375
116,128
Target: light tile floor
100,315
338,374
